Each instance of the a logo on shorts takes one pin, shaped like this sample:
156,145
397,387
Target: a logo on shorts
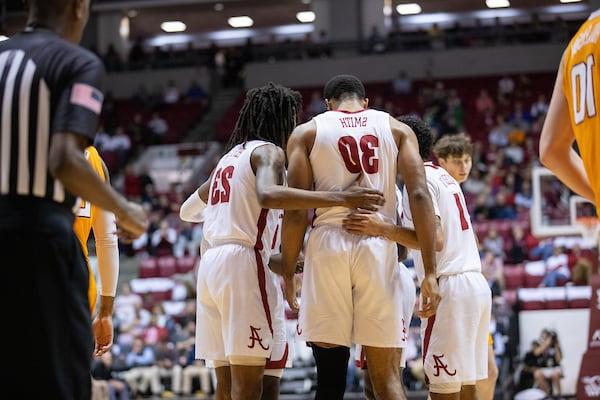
439,365
255,337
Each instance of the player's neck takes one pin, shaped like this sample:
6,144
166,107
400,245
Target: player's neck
55,25
350,106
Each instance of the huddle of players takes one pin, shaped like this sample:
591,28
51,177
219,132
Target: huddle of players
344,164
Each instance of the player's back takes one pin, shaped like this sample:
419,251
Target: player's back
459,253
581,86
348,145
233,213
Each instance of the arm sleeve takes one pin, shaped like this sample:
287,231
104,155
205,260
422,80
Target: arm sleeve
79,97
191,209
107,248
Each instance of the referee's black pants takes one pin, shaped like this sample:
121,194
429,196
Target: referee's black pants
46,321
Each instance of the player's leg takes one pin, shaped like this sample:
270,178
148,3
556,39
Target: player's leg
271,381
223,391
325,318
247,377
486,387
378,314
469,392
384,372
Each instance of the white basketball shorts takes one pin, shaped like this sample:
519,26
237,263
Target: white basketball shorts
351,291
409,298
455,340
239,310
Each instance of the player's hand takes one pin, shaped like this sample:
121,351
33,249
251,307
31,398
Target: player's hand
289,290
430,296
132,222
103,334
363,222
360,197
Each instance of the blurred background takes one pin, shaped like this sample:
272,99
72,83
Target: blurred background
177,74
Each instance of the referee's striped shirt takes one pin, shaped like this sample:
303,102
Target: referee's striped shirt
47,86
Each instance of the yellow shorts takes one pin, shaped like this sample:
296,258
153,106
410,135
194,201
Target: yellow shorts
92,290
490,340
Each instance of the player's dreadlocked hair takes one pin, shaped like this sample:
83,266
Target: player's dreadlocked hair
269,113
423,132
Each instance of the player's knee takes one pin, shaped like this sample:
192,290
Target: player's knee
445,388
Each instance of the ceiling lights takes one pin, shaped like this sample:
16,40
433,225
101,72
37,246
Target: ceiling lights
497,3
306,16
173,26
408,9
570,1
3,38
243,21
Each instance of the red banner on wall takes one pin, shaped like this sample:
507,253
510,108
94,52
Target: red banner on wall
588,384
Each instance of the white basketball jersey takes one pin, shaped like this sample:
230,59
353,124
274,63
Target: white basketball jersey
347,145
233,214
460,253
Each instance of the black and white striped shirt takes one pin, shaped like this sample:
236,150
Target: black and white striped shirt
47,86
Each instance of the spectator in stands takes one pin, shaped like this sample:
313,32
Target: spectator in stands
581,266
515,152
163,240
120,144
142,372
376,41
456,111
137,55
492,268
166,359
494,242
506,86
499,133
103,370
474,184
102,137
524,198
520,119
549,375
484,103
531,363
126,304
171,94
517,252
155,332
196,92
158,128
316,105
402,85
540,107
112,60
557,268
137,130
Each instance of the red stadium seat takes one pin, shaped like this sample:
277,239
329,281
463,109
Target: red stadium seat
534,273
514,276
166,266
579,296
186,264
148,268
556,298
531,299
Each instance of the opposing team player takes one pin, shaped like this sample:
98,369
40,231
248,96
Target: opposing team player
236,299
455,339
572,115
351,291
89,217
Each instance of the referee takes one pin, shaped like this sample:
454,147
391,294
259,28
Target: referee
50,101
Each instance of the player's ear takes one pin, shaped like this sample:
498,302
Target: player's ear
366,103
329,107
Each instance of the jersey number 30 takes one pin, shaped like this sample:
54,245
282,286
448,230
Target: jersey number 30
582,81
365,161
221,187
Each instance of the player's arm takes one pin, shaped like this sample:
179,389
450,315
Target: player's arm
74,126
191,209
556,144
295,222
269,164
107,250
365,223
410,166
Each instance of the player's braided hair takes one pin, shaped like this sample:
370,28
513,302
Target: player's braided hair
269,113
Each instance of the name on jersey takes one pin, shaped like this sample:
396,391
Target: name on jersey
590,35
447,180
354,122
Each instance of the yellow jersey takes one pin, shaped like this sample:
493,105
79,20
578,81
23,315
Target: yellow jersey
581,86
85,219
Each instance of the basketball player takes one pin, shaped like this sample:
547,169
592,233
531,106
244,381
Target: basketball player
351,291
455,339
90,217
572,115
236,299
